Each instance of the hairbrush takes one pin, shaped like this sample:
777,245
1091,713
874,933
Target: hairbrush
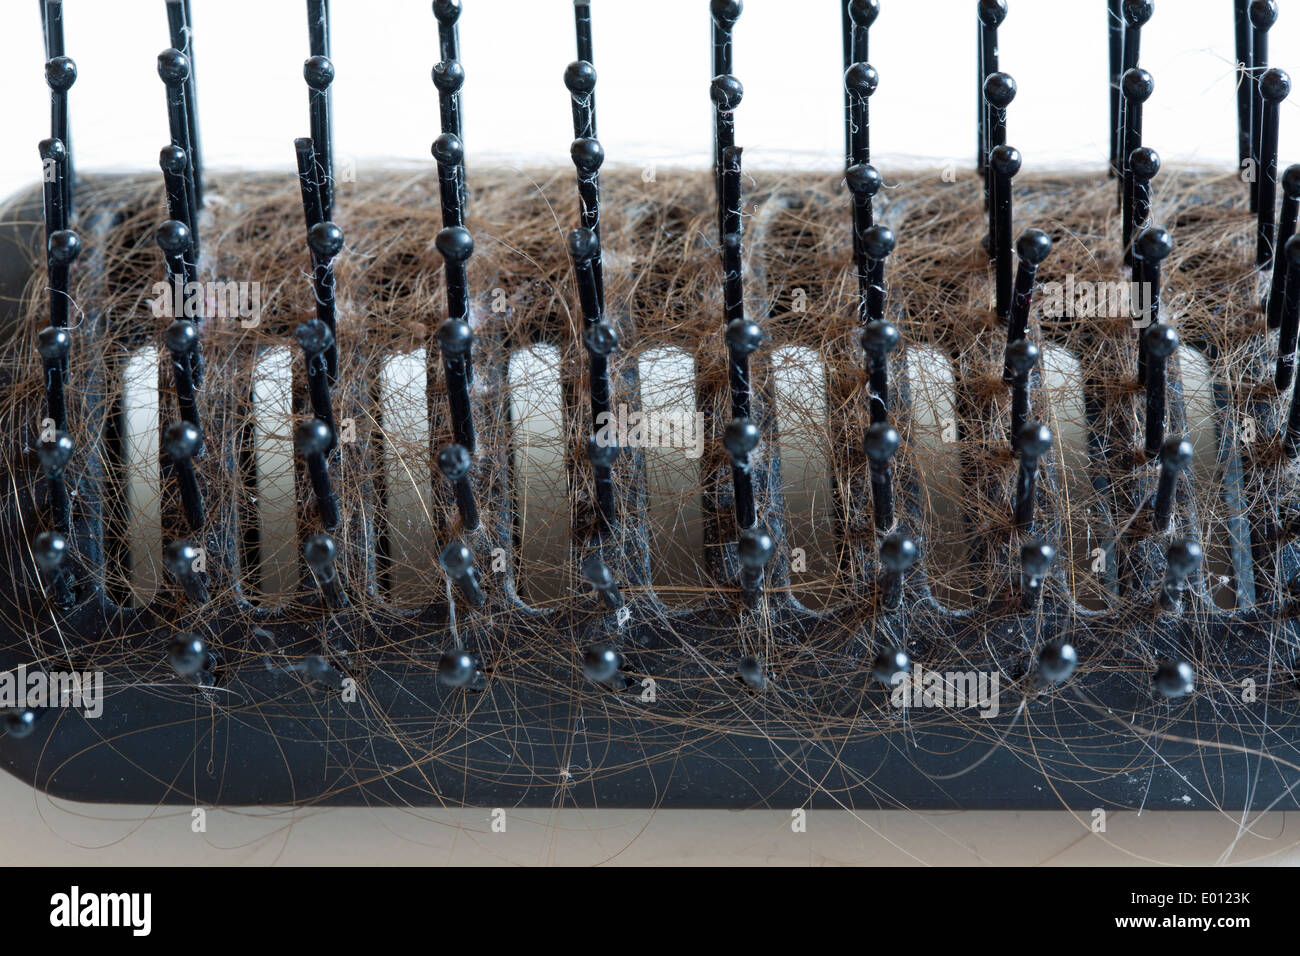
719,489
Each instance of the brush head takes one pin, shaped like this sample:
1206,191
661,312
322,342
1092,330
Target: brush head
600,663
898,553
1033,440
743,337
181,338
583,245
878,242
455,244
187,654
326,239
456,669
173,237
726,11
750,670
180,557
1005,160
1175,679
53,343
1263,14
992,12
320,551
587,154
889,664
1145,163
456,559
20,724
597,573
601,339
49,550
1138,12
173,67
64,246
312,437
173,159
863,179
580,77
54,452
1154,244
52,149
1291,181
181,441
1161,340
726,92
999,90
1138,85
448,77
882,442
1183,558
1057,662
1033,247
448,150
446,11
313,336
61,73
1176,454
755,549
880,337
1036,558
863,13
741,437
318,71
454,461
1292,250
1022,355
455,338
861,79
1274,86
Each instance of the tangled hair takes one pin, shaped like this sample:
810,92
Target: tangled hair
805,722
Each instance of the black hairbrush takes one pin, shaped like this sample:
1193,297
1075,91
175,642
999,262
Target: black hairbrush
274,530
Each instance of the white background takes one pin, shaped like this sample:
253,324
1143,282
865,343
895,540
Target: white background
653,66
